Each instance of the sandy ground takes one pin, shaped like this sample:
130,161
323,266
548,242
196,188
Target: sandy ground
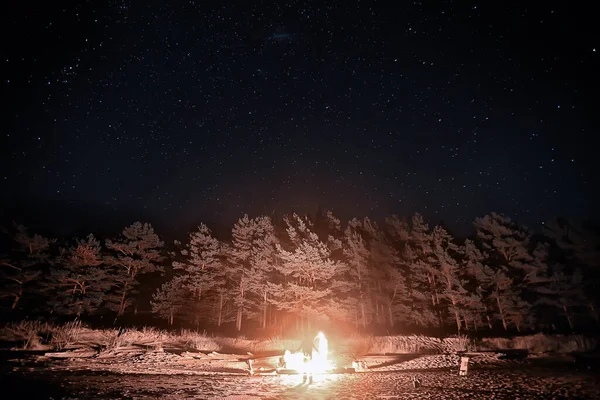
160,374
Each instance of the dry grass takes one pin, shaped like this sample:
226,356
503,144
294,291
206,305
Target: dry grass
30,334
196,340
35,334
404,344
455,344
541,343
67,335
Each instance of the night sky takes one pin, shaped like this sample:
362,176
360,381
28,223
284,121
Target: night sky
198,111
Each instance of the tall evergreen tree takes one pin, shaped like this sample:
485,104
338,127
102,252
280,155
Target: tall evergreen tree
581,248
422,273
357,259
478,308
390,292
239,268
136,252
449,273
203,273
79,279
507,245
311,277
263,258
170,299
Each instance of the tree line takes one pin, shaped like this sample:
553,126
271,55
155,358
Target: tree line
294,272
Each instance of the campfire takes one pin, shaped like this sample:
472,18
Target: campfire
319,362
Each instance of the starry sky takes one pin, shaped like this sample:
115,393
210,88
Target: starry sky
183,112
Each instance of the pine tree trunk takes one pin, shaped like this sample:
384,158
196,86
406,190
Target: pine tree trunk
122,302
391,315
264,318
437,299
430,281
171,318
220,316
487,316
568,317
362,313
238,320
501,313
457,317
17,298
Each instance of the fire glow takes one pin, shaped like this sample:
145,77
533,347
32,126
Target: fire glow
318,364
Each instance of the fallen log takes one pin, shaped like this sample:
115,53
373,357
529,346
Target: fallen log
71,354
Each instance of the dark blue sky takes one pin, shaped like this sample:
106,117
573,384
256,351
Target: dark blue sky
203,111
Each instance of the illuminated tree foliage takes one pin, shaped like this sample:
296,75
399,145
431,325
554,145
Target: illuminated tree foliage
308,275
421,272
263,259
358,261
477,310
202,268
507,247
292,273
136,252
239,269
450,275
171,299
79,280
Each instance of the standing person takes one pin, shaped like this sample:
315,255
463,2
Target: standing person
307,347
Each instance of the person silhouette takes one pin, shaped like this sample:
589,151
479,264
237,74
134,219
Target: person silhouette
307,346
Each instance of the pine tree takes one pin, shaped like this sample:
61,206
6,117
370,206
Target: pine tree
79,280
169,300
136,252
581,248
22,267
449,272
391,294
479,276
422,273
238,266
506,244
262,260
401,256
203,274
398,230
554,290
310,277
202,260
357,259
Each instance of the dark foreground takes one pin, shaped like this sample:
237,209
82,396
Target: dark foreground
530,380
